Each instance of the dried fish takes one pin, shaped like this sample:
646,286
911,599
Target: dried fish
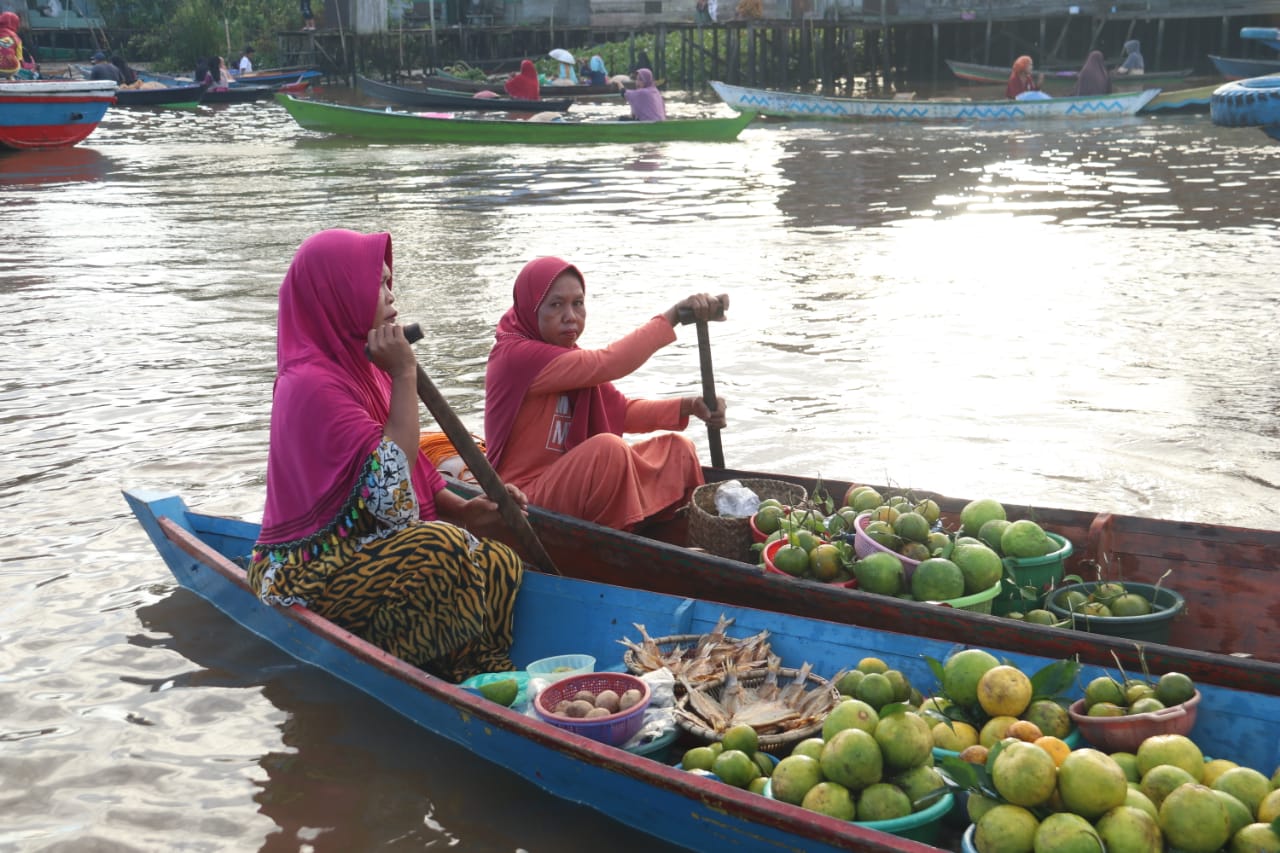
704,660
764,707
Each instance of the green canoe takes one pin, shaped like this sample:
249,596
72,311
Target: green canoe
387,126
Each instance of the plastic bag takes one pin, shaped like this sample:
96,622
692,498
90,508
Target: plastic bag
735,500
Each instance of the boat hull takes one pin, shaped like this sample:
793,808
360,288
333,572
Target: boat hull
974,73
277,76
553,613
52,114
387,126
169,95
1234,68
409,96
1194,100
237,95
793,105
457,84
1228,576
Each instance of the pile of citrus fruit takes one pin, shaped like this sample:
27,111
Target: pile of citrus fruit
1166,795
1110,598
736,759
980,702
1105,696
873,682
808,551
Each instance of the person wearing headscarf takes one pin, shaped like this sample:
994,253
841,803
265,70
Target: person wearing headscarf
642,61
128,77
566,72
1133,62
1093,78
596,71
554,422
645,99
523,85
351,529
10,44
1021,78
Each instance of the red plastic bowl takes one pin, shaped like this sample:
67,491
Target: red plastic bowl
772,549
1126,734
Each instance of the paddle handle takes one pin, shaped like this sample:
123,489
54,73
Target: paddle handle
685,317
475,460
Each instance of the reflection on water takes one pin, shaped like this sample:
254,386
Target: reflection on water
1059,314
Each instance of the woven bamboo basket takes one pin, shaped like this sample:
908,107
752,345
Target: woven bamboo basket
775,743
731,536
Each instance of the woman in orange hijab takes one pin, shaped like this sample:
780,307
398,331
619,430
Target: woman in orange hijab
524,85
1021,79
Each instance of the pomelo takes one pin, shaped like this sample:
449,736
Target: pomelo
980,566
853,758
881,573
735,768
991,532
850,714
961,673
1178,750
1024,774
793,777
831,799
936,579
1024,538
1193,819
883,801
979,512
905,740
1091,783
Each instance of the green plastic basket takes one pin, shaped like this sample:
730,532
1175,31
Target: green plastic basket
1041,573
979,602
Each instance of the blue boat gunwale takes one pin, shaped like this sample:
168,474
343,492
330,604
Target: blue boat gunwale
185,540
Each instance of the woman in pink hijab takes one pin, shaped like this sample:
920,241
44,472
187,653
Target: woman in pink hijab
645,99
554,422
350,527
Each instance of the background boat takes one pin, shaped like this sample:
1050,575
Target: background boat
190,93
458,84
999,74
1235,68
1195,100
52,113
412,96
553,614
278,76
237,94
388,126
793,105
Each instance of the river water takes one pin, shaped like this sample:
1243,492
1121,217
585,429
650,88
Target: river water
1058,314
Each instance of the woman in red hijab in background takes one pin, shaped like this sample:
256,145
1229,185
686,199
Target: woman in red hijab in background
349,529
524,85
1021,79
553,421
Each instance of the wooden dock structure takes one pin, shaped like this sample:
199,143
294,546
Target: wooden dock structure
835,45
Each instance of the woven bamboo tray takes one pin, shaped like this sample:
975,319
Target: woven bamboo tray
775,743
731,536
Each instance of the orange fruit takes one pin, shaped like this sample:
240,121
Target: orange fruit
1056,747
1024,730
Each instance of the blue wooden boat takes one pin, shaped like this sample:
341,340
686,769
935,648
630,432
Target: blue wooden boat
415,96
52,113
1242,69
276,77
771,102
1270,36
189,93
554,614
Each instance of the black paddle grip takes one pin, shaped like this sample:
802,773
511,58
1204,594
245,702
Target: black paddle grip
685,315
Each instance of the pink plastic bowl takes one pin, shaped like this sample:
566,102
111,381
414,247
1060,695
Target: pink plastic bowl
1126,734
864,546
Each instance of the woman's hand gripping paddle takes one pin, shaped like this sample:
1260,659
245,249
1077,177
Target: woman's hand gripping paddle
708,382
478,463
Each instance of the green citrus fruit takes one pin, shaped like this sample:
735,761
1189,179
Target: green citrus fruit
980,566
847,684
1129,764
1246,785
791,559
1024,538
764,762
824,562
1064,832
1193,819
768,519
758,784
919,782
850,714
735,768
1255,838
830,798
961,673
1104,688
912,526
936,579
698,758
905,740
881,573
979,512
929,509
503,692
1091,783
875,689
1237,812
741,737
990,532
810,746
1006,829
1130,604
852,757
1178,750
1126,829
1024,774
1174,688
793,777
883,801
1146,705
1041,617
1161,780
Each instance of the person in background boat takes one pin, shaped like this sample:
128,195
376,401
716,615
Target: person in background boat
1022,78
221,75
352,528
11,57
308,17
1093,78
645,99
128,77
1133,62
553,420
246,60
102,69
523,85
642,61
597,73
566,73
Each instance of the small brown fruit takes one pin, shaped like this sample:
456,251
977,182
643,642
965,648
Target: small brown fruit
579,708
598,712
607,700
628,699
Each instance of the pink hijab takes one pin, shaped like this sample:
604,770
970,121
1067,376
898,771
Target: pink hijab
519,355
645,99
330,403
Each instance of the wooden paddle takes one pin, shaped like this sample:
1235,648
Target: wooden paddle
475,459
708,381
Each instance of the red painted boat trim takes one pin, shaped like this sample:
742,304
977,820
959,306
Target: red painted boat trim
57,99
